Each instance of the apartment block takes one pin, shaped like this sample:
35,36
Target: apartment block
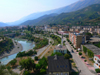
76,39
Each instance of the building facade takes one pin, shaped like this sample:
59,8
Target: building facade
76,39
97,61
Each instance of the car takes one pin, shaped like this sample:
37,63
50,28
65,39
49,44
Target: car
72,51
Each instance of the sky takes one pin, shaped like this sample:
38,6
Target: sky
13,10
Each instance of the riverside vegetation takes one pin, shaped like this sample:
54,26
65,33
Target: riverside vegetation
6,44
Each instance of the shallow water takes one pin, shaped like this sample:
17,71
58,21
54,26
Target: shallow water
26,46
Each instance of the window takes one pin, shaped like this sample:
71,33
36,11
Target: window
66,74
61,73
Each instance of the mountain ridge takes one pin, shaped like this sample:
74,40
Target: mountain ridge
73,7
82,15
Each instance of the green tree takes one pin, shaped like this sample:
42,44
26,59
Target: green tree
37,66
67,56
13,62
36,58
27,63
42,71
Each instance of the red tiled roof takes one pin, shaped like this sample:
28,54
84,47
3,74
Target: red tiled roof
98,56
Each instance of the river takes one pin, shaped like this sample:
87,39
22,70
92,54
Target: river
26,46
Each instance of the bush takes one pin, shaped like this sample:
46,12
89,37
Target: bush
26,73
8,67
13,62
35,52
42,71
97,70
77,51
36,58
85,60
67,56
80,53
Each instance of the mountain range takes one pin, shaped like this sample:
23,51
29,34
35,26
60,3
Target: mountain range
81,16
3,24
73,7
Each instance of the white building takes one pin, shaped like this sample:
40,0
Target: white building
97,61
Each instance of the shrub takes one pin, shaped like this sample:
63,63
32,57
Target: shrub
74,48
35,52
77,51
13,62
97,70
8,67
67,56
36,58
85,60
42,71
80,53
26,73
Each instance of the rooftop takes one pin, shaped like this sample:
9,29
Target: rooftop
98,56
93,48
58,64
60,47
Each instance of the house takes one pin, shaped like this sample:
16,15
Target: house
97,61
58,65
60,48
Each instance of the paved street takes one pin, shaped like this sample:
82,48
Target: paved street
79,63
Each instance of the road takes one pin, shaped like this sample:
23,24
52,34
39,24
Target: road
79,63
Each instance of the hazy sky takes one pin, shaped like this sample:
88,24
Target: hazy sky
12,10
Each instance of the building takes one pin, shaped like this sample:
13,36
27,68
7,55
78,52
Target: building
76,39
97,61
93,48
58,65
60,48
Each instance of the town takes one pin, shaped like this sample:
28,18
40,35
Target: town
69,50
50,37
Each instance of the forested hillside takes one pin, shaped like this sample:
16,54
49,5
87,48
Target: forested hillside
80,17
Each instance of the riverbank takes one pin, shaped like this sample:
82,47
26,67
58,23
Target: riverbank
17,48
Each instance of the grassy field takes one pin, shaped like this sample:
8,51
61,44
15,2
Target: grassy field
49,52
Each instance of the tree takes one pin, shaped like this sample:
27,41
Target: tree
37,66
13,62
80,53
89,34
67,56
42,71
27,63
36,58
97,70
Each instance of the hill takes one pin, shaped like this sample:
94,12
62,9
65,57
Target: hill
3,24
73,7
79,17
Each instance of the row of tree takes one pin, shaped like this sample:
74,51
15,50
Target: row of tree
56,38
29,53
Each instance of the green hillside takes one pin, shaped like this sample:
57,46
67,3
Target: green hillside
80,17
